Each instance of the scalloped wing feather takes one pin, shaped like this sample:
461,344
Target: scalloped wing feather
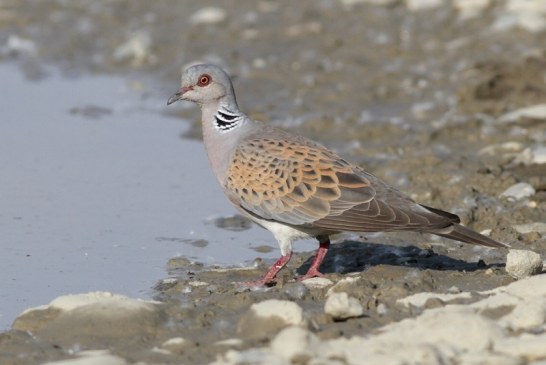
293,180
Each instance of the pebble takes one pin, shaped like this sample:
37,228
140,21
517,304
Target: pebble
418,5
287,311
91,357
420,299
470,8
18,45
317,283
523,263
343,306
269,317
529,15
518,191
531,112
529,315
531,155
539,227
208,15
293,342
137,50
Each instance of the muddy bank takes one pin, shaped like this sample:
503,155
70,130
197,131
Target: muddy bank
444,101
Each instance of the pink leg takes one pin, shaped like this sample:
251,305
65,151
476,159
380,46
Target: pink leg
269,277
321,252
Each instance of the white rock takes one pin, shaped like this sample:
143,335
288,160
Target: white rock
342,306
208,15
530,156
382,309
420,299
175,341
17,44
518,191
351,3
496,300
530,347
105,299
539,227
136,49
255,356
487,358
527,315
418,5
531,112
443,327
295,341
470,8
523,263
91,357
525,14
287,311
317,283
531,287
230,342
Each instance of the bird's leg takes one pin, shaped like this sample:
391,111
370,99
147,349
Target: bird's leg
269,276
313,271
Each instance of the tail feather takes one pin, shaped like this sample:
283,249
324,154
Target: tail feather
463,234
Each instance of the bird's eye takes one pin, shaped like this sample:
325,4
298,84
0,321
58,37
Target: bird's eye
204,80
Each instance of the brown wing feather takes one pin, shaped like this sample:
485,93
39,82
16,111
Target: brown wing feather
293,180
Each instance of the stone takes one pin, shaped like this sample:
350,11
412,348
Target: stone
539,227
294,342
523,263
419,300
527,346
527,315
91,357
531,155
209,15
530,112
343,306
270,316
317,283
518,191
419,5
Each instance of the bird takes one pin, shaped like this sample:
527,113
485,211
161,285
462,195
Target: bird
297,188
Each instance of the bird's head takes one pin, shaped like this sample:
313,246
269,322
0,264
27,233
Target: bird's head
204,84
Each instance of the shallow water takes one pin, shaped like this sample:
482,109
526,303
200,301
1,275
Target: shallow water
98,191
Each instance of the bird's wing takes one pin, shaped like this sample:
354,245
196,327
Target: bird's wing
295,181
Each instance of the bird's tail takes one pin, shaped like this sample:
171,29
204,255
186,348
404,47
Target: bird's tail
463,234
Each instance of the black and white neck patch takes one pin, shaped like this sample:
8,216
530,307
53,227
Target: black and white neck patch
226,119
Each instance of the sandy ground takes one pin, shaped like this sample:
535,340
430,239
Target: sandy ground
419,92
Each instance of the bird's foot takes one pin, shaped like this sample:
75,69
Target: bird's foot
312,273
269,277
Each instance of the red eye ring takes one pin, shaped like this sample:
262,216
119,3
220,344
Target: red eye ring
204,80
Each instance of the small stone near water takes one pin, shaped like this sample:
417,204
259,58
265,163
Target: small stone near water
531,156
523,263
518,191
317,283
530,112
208,15
538,227
285,310
91,357
343,306
269,317
294,342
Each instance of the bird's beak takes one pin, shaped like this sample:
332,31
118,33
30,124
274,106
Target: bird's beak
179,95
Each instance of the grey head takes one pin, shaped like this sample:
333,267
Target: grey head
204,84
